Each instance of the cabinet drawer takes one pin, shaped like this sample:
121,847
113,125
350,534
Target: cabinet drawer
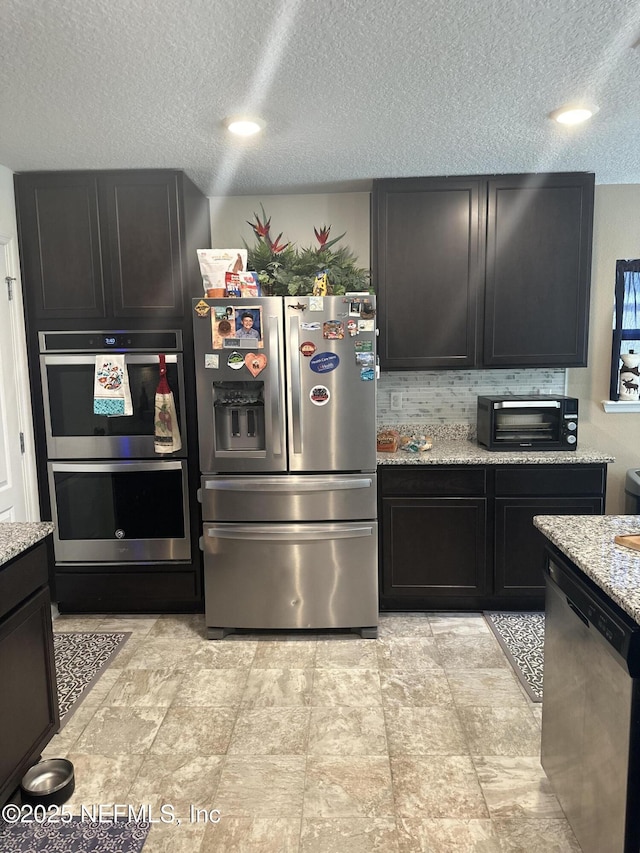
551,480
434,481
22,576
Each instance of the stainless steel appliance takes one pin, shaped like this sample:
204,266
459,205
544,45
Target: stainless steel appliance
591,711
67,367
287,426
114,501
538,422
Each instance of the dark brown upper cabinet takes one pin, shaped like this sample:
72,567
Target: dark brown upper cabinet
109,245
483,271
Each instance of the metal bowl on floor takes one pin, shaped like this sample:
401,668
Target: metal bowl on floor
48,783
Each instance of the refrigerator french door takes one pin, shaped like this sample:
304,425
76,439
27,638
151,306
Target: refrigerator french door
286,422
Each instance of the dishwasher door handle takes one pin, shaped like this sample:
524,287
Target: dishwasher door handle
578,612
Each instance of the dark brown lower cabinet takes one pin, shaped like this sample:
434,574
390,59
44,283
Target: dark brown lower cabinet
462,537
29,714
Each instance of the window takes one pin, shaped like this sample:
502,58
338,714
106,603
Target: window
626,332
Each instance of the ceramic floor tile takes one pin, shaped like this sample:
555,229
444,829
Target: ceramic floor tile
176,838
120,731
184,627
495,687
194,731
72,622
334,654
219,654
404,625
102,778
352,834
408,654
277,655
261,786
536,836
342,730
180,785
208,688
271,731
144,688
442,786
414,688
432,730
458,624
348,786
137,626
515,786
372,745
357,687
253,835
278,688
470,652
163,653
500,731
447,835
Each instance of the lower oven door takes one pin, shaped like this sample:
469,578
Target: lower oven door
291,575
120,512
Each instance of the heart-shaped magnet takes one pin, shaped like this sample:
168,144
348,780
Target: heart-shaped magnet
255,363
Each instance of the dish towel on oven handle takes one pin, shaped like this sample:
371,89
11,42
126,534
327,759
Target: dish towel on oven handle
111,392
166,433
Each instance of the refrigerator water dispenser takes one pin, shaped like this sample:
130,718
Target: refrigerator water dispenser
239,416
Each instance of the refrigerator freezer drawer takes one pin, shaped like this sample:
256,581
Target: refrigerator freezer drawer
292,497
291,575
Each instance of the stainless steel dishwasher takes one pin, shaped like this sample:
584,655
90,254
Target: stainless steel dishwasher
591,710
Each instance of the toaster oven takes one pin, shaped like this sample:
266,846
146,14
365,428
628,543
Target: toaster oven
537,422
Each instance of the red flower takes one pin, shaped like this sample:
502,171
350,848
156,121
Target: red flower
261,230
323,235
276,248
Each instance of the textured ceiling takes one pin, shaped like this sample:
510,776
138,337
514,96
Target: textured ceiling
350,89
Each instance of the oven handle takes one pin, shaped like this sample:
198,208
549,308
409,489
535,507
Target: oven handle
527,404
287,532
115,467
276,484
91,359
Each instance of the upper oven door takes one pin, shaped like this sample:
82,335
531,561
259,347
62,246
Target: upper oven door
72,429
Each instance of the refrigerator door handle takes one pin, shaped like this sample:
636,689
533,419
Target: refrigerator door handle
287,532
276,414
294,356
280,484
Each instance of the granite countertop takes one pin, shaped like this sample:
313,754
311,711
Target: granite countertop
466,452
17,536
587,540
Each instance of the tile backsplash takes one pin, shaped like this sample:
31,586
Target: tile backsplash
449,396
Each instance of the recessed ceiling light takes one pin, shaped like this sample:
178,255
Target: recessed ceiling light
573,114
243,125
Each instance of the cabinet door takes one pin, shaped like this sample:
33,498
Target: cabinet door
60,245
433,547
29,703
143,238
539,230
519,546
427,267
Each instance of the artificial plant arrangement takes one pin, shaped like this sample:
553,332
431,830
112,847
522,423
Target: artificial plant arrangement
284,270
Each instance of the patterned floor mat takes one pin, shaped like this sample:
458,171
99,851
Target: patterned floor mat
74,836
81,657
521,635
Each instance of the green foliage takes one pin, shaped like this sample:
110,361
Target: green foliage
290,271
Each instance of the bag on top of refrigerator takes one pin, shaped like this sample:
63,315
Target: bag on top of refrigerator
214,263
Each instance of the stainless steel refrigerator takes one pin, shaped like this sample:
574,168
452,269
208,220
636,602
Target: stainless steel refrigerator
286,390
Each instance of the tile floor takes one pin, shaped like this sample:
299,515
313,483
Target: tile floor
422,740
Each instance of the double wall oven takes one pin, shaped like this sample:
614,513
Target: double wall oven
113,499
